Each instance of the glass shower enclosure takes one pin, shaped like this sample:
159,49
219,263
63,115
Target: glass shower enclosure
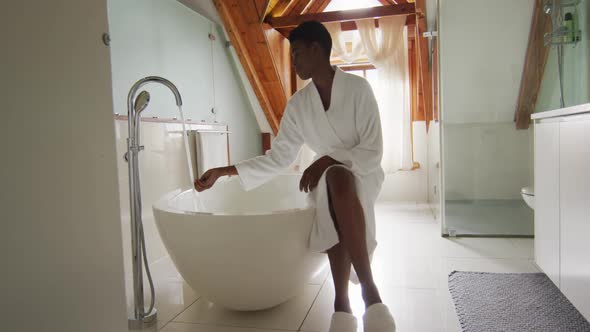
486,161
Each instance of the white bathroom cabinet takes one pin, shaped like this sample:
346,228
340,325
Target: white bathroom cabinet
547,199
562,201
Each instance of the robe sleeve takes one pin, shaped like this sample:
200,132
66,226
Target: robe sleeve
285,147
365,157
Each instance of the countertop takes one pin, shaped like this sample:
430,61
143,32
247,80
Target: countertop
573,110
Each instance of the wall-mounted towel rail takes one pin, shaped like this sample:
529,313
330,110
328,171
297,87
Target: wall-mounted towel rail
211,131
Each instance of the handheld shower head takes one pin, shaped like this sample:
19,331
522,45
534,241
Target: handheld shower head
141,101
549,7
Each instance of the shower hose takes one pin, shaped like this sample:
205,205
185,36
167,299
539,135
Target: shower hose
142,241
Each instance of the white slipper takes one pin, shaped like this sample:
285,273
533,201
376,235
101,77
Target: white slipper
343,322
378,318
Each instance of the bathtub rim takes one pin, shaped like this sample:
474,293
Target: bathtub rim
162,205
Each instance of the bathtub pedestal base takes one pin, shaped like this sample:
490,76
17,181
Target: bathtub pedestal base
145,322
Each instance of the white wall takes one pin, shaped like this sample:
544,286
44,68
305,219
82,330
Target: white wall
208,10
410,186
483,47
482,51
60,242
252,99
205,8
165,38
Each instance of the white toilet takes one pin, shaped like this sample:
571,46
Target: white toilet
528,194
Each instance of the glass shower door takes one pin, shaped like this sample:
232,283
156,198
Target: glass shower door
486,161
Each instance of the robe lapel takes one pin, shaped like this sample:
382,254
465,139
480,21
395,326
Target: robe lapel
331,138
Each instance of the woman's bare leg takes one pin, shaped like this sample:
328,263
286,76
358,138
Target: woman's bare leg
350,221
340,266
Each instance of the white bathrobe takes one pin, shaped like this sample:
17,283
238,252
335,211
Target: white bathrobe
349,132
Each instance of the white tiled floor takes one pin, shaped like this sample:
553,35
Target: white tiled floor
411,266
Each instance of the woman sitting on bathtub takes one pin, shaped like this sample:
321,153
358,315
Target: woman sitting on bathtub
337,117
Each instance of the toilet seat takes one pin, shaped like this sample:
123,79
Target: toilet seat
527,191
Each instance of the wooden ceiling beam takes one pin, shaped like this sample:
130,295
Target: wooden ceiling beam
267,6
261,6
241,21
317,6
395,2
351,25
273,4
343,15
424,70
279,8
415,105
534,67
296,7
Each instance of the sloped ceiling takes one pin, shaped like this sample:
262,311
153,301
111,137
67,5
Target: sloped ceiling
263,52
203,7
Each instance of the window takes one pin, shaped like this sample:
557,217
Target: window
367,71
336,5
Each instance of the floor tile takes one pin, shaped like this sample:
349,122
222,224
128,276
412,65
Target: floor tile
525,247
287,316
415,309
164,269
172,299
494,265
485,265
449,315
406,271
319,278
477,247
173,295
405,212
187,327
318,319
417,240
408,306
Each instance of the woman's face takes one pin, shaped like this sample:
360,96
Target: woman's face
304,58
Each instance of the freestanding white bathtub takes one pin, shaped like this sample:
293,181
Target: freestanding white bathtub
241,250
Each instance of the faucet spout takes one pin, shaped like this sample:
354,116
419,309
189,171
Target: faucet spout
155,79
134,112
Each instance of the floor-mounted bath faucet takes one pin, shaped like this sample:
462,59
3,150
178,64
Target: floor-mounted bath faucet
141,318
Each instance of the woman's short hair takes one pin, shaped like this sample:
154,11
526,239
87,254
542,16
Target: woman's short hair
313,31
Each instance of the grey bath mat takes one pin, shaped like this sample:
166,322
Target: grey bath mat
520,302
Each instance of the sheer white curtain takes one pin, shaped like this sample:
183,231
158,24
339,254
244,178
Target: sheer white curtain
339,39
387,48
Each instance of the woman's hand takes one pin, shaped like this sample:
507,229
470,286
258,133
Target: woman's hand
208,179
312,175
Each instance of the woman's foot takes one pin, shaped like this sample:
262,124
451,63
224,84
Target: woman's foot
378,318
343,322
